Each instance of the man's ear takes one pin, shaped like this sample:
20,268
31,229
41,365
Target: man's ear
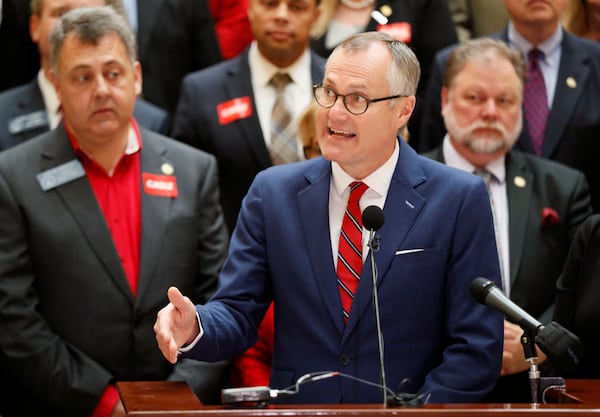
407,106
444,98
137,77
34,28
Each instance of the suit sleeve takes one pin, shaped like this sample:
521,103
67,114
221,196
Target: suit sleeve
33,355
212,234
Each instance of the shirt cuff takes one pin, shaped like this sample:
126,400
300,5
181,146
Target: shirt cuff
190,346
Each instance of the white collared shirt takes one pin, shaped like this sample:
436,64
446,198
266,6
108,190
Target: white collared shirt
339,192
50,97
298,93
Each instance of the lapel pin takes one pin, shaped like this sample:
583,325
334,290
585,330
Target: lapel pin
520,182
386,10
571,83
167,168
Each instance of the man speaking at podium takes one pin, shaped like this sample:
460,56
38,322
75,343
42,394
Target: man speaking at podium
294,244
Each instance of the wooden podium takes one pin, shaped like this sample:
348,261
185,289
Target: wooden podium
175,399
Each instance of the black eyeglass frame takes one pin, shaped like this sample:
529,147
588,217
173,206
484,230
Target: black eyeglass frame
367,100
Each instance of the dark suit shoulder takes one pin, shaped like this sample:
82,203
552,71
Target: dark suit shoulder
8,97
570,40
219,70
171,146
539,165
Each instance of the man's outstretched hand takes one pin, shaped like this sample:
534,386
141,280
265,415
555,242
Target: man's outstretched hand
176,324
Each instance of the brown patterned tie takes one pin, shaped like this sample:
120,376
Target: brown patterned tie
283,147
350,260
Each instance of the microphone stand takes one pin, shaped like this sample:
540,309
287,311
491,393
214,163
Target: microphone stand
539,385
374,246
534,374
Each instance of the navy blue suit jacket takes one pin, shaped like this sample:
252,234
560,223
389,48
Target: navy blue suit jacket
574,121
23,115
437,237
238,145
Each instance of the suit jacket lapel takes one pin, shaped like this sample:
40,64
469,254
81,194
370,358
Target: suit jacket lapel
519,202
313,202
572,66
79,200
402,207
240,85
155,211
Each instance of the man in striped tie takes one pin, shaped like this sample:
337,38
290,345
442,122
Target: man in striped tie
299,242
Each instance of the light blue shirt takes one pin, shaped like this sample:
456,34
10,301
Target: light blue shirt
552,50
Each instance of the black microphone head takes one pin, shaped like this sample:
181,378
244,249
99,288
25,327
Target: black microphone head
372,218
480,287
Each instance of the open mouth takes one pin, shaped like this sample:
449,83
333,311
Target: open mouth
341,133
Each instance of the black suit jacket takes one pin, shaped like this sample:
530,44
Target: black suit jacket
577,306
23,115
574,121
70,324
537,250
175,37
239,146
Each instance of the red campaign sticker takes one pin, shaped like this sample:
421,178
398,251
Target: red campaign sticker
160,185
236,109
401,31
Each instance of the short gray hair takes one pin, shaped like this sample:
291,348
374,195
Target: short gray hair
405,71
89,25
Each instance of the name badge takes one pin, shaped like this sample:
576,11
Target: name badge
61,174
401,31
236,109
160,185
28,122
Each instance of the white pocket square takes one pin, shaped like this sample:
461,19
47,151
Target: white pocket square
406,251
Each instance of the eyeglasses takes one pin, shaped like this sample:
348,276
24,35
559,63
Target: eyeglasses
354,103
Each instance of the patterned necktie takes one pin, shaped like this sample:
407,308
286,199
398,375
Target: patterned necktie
283,147
535,101
350,261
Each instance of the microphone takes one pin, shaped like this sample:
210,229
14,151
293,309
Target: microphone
562,347
373,218
486,292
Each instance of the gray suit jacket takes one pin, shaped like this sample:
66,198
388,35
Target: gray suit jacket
70,324
537,250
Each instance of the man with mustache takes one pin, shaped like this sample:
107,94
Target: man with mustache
567,73
537,204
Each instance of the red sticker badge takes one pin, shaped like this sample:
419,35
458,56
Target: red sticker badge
160,185
401,31
236,109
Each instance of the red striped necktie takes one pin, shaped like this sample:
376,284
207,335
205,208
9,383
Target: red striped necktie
349,267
